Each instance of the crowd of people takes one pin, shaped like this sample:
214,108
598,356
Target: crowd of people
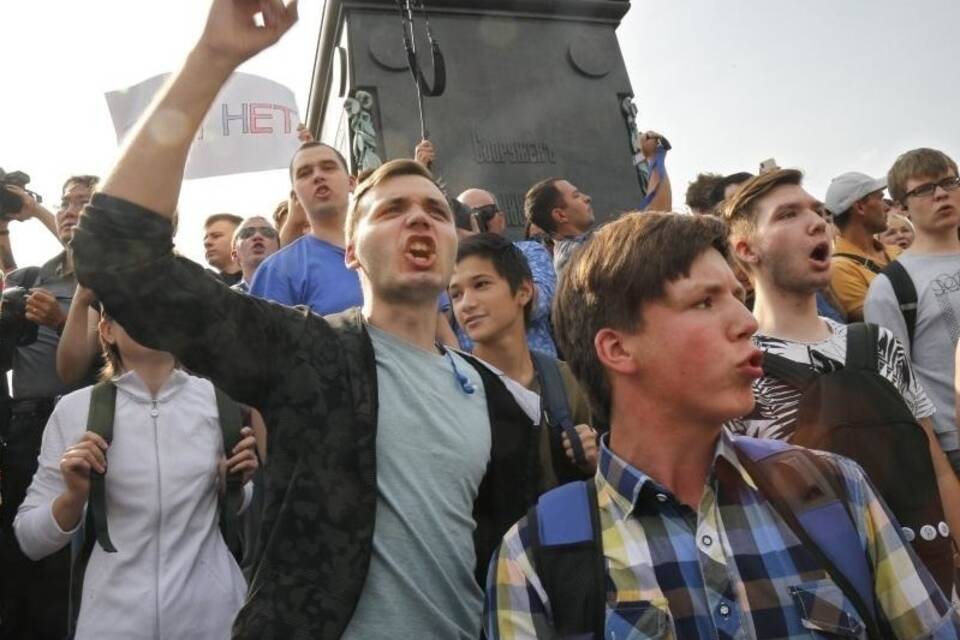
373,414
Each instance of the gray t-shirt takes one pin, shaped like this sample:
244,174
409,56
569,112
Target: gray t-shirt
35,365
433,445
937,279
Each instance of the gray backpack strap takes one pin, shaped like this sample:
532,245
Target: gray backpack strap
103,401
231,422
906,294
554,395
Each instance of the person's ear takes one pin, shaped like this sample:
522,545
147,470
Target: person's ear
525,292
559,217
615,352
350,258
105,327
745,252
351,184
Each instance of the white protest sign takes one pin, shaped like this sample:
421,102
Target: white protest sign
252,125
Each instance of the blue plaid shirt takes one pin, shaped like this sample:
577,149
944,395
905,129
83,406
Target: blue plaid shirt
730,569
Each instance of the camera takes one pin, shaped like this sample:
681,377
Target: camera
14,325
11,203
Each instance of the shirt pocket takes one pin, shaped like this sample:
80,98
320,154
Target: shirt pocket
826,611
638,620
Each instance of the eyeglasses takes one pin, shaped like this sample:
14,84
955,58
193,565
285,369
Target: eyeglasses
927,189
248,232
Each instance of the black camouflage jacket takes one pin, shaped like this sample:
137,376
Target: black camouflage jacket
314,380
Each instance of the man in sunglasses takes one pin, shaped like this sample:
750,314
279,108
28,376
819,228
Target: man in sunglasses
254,241
920,303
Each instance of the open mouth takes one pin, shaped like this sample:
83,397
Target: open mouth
421,251
752,367
821,253
322,192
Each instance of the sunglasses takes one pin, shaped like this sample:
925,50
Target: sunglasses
485,213
248,232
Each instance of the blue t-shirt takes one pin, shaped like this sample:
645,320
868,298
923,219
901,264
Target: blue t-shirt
308,271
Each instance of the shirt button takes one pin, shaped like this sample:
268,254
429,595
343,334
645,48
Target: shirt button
154,413
724,611
661,497
909,534
706,540
928,532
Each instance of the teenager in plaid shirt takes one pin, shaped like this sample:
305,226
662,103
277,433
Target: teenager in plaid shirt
650,320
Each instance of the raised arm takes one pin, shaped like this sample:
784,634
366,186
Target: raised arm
150,168
79,343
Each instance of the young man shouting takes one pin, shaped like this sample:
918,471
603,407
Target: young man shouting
395,466
650,318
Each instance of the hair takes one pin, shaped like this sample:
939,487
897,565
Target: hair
540,201
626,265
740,211
700,191
311,144
918,163
387,171
507,260
280,213
716,196
112,360
87,181
235,220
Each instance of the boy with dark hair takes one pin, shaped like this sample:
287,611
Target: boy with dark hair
683,543
492,294
917,297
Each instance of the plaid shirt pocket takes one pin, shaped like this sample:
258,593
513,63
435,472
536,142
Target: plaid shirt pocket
824,609
638,620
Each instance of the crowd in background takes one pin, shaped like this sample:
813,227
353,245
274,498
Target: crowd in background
329,428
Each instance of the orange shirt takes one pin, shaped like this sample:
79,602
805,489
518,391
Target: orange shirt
851,279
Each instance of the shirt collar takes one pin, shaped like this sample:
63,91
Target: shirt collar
842,245
627,484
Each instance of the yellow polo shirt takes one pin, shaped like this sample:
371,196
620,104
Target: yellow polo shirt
851,279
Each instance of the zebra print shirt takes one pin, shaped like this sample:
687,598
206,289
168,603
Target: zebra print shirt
775,412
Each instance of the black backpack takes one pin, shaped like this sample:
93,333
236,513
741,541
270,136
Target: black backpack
906,293
857,413
556,404
103,400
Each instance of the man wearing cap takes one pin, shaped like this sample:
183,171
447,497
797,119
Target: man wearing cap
856,202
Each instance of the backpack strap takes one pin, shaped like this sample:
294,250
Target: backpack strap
554,394
103,401
795,374
567,546
906,293
30,277
806,492
863,261
862,338
231,422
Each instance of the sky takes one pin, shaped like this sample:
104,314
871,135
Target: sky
826,86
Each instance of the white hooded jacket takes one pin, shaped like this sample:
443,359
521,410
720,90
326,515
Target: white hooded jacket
172,575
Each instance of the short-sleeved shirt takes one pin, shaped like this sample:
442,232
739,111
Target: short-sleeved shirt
433,446
775,412
937,280
850,279
310,272
35,365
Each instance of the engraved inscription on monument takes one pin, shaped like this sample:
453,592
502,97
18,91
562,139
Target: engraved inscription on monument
511,151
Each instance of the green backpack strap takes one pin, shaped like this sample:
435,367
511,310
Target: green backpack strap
103,401
231,422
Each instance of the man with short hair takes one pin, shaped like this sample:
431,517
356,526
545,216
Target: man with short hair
486,211
493,299
218,231
925,183
779,233
310,270
254,241
856,202
33,595
388,453
699,193
685,543
564,212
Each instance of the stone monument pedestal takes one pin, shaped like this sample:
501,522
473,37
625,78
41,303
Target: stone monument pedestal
535,88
